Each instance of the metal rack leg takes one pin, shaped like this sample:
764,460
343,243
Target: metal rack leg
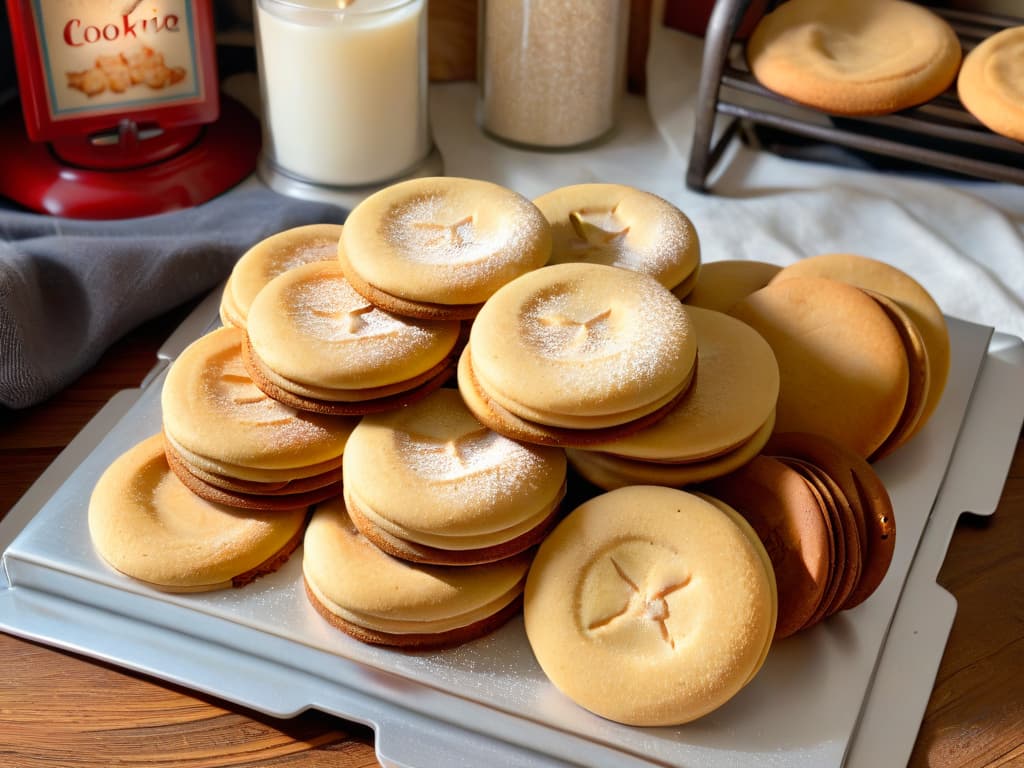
725,19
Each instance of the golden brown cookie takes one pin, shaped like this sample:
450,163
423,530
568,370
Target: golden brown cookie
621,226
269,258
504,422
864,492
649,606
313,336
991,82
380,599
573,345
430,483
788,517
608,471
218,420
734,392
721,284
854,57
145,523
919,370
909,294
842,363
441,245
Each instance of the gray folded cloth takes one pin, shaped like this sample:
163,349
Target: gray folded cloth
69,289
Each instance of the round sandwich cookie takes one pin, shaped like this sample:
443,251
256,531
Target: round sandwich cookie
501,420
862,490
789,517
582,347
623,227
146,524
919,371
846,560
316,344
842,363
429,483
608,471
383,600
752,536
437,248
722,284
221,430
991,83
908,294
734,392
650,606
854,57
242,494
269,258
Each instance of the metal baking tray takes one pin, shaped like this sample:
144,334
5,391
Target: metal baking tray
818,701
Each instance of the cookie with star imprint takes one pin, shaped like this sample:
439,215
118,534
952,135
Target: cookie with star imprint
437,248
316,344
375,598
269,258
148,525
650,606
574,353
429,483
621,226
230,442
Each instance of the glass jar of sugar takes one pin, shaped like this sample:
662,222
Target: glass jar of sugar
552,72
344,91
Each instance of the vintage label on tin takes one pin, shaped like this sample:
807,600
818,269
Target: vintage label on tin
104,56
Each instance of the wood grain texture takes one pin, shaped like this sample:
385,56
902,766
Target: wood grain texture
452,39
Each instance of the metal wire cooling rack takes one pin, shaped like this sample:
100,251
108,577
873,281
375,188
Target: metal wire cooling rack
940,133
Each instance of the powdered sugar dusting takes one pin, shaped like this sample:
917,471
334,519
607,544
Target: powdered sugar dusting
328,309
629,338
306,251
606,236
427,230
558,328
481,466
230,392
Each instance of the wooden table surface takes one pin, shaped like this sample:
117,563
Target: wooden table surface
59,709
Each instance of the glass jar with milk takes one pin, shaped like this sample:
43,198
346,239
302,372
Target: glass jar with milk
344,91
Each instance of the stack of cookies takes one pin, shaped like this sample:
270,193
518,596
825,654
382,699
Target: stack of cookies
315,344
444,512
561,323
863,350
722,422
565,355
232,444
825,519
